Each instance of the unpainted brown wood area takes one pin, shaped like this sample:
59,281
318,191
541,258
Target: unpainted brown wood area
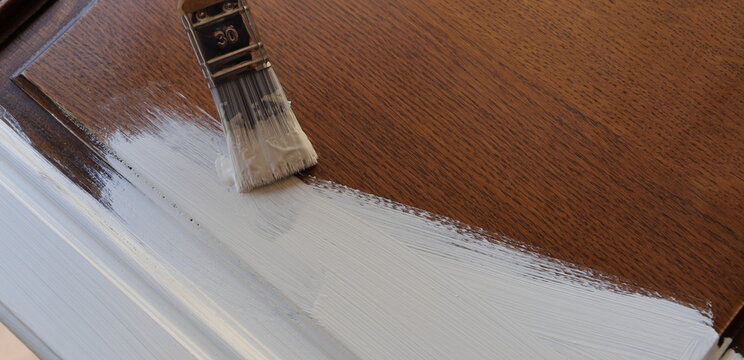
606,134
13,13
53,140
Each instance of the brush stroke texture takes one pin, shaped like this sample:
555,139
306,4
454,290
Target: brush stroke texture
364,276
80,285
340,257
370,291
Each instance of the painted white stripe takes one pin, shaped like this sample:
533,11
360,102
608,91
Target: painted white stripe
51,284
367,289
83,286
341,256
205,266
565,306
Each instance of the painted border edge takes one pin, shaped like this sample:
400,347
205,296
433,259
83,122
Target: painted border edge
27,336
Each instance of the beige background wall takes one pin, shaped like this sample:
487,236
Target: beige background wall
11,348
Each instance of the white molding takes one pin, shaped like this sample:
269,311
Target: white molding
89,287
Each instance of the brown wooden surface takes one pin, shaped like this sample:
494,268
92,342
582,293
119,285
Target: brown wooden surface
49,136
734,330
13,13
606,134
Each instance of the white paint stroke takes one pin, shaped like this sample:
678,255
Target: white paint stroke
392,284
563,305
290,272
46,282
76,283
732,355
369,290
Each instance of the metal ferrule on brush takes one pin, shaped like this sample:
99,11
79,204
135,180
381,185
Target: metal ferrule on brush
264,139
225,41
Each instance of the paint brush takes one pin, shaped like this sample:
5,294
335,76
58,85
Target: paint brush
264,139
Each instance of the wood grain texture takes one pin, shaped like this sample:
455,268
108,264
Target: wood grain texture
606,134
59,144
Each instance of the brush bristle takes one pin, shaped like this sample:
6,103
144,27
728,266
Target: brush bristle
264,139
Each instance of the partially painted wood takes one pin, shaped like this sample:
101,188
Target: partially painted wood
72,304
371,278
341,257
172,144
604,134
13,13
82,282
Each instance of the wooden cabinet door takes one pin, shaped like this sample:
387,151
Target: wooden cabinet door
514,179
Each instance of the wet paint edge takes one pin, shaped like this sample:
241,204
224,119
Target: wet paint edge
492,279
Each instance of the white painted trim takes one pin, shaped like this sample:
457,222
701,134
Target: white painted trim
178,267
732,355
88,287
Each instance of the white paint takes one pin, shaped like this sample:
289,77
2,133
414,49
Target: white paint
76,283
275,146
45,281
732,355
565,306
723,351
390,284
191,269
718,349
367,289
